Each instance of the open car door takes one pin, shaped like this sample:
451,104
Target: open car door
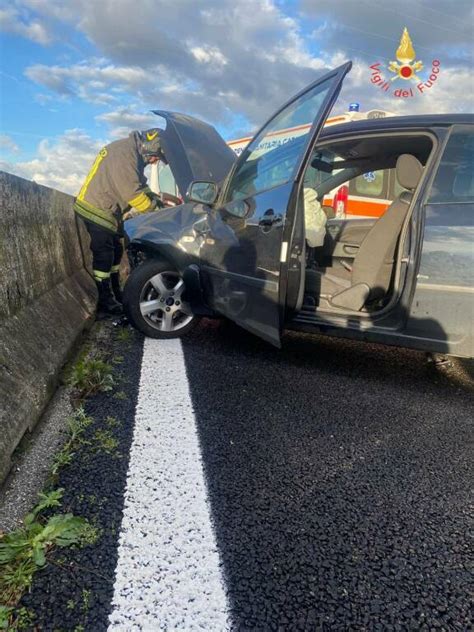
246,255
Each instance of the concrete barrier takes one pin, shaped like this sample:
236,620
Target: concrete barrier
46,297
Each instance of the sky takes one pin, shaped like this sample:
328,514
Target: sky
76,74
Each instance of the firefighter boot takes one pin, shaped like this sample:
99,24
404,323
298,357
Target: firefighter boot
107,304
116,289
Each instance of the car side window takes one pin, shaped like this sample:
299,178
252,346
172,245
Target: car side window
369,184
271,158
166,180
454,180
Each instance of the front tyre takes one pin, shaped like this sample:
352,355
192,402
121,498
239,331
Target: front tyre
153,301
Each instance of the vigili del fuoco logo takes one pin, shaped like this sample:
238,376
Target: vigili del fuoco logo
407,68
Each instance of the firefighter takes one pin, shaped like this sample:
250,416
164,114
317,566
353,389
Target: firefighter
115,183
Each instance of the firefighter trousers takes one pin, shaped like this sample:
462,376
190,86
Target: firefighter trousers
107,251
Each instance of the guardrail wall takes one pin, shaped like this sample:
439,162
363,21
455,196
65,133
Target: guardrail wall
46,297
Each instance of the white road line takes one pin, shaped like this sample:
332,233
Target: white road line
168,573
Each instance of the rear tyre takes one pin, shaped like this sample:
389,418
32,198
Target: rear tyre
153,301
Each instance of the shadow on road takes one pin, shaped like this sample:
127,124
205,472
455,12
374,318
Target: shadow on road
338,474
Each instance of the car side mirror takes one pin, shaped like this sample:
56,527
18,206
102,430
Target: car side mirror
202,192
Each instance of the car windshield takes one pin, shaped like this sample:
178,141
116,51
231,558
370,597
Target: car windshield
271,158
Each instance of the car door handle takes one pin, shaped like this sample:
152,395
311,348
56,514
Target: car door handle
269,219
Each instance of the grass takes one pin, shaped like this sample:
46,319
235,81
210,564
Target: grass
20,619
25,550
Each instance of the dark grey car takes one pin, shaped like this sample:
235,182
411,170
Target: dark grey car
238,248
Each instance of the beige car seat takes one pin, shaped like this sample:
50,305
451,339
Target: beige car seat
373,264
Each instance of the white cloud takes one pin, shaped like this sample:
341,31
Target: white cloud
126,119
438,28
11,21
209,55
83,79
213,60
61,164
8,144
243,58
231,62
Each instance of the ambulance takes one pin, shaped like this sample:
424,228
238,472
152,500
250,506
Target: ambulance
369,195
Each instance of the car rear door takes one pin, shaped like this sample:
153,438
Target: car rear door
248,252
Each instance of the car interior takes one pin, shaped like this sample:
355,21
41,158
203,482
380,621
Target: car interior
351,268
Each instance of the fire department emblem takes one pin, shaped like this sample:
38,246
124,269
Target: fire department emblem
406,55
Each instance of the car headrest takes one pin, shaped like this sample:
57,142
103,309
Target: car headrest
409,171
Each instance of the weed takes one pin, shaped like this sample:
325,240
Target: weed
77,425
11,619
79,628
86,596
124,335
24,550
120,395
61,459
118,359
89,376
71,604
5,617
112,422
105,441
90,534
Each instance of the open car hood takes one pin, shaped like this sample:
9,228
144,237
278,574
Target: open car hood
194,150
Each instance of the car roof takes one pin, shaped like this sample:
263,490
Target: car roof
399,122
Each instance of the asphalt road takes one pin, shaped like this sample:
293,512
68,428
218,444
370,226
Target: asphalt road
326,486
339,475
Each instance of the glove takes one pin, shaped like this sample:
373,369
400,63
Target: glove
156,202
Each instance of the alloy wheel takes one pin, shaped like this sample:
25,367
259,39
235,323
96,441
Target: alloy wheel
161,303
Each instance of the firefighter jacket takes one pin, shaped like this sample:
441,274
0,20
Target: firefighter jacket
115,182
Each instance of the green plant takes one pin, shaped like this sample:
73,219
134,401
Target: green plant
105,441
124,335
24,550
77,425
118,359
91,375
112,422
90,534
61,459
6,613
11,619
71,604
86,596
120,395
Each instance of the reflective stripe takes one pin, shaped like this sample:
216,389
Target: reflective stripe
92,172
100,276
115,269
141,202
95,215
